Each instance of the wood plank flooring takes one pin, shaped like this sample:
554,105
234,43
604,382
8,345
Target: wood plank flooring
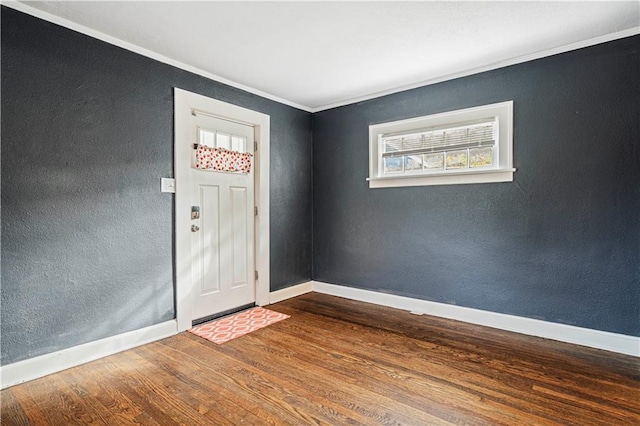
339,362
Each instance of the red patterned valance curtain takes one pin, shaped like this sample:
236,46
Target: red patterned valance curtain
224,160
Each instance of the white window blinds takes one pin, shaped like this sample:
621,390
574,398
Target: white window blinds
459,146
438,140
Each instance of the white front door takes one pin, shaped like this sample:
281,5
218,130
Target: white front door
222,225
216,263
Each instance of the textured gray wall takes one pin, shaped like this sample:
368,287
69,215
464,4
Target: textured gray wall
561,243
87,132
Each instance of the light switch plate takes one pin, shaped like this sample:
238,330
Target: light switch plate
167,185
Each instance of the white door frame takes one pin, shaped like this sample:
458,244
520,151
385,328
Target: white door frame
184,103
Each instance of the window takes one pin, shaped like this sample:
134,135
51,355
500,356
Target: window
215,139
473,145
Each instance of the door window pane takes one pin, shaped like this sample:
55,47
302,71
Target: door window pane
207,138
238,144
223,140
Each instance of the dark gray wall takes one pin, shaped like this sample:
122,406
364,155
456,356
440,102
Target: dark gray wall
561,243
87,236
87,132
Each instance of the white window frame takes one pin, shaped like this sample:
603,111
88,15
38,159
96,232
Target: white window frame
501,172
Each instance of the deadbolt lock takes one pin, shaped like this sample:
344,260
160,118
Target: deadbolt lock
195,212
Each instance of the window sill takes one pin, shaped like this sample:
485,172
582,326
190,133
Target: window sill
451,178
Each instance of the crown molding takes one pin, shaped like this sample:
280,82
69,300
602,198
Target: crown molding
29,10
501,64
25,8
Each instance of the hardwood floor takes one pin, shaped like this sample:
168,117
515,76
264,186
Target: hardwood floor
339,362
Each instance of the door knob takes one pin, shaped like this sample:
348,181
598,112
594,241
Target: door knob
195,228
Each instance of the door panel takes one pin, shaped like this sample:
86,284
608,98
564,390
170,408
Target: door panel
240,235
209,261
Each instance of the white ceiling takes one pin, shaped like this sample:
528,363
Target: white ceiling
315,55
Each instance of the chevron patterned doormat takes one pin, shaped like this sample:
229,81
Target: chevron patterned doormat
224,329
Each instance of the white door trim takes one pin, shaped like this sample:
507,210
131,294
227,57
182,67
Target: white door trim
184,103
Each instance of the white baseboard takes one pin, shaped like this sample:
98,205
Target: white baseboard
289,292
33,368
628,345
22,371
